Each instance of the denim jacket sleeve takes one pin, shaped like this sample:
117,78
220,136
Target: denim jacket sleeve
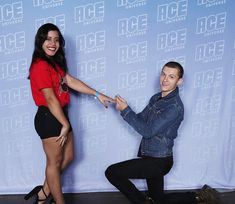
149,128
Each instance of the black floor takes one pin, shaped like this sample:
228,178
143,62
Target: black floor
227,197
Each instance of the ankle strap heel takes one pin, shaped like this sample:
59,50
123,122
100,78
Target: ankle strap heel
33,192
41,199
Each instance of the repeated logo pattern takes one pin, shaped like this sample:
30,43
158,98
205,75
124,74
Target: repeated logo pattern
119,47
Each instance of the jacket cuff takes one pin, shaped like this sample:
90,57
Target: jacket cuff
125,111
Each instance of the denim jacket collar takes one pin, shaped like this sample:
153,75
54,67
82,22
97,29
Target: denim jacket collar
171,94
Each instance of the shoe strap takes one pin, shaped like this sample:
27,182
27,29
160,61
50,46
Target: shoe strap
42,199
44,193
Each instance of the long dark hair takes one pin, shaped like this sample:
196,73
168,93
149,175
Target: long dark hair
38,53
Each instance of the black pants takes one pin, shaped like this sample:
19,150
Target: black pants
151,169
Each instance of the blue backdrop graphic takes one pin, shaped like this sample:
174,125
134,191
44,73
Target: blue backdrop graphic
119,47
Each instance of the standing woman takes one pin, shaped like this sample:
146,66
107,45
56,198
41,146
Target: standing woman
50,85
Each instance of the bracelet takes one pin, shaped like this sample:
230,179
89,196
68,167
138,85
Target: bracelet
97,94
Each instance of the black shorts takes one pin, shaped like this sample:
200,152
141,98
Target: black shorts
46,125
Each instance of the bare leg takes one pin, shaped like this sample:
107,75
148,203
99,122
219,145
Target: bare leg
67,157
68,153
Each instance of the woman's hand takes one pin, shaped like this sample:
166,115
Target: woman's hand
63,135
105,100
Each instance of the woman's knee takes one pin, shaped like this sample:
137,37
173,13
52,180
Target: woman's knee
55,161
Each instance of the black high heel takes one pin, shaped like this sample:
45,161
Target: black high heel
35,192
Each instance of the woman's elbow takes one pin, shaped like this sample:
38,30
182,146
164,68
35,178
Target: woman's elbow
51,100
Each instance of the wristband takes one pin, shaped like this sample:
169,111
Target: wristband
97,94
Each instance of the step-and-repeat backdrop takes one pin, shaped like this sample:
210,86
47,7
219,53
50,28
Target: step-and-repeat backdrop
119,47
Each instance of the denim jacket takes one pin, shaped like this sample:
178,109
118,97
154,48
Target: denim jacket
158,124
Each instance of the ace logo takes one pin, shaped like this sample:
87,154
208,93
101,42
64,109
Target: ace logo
90,13
161,63
58,20
208,105
211,23
171,40
132,80
13,69
132,25
11,13
208,79
15,123
173,11
96,120
209,51
91,42
92,68
132,53
12,42
14,96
